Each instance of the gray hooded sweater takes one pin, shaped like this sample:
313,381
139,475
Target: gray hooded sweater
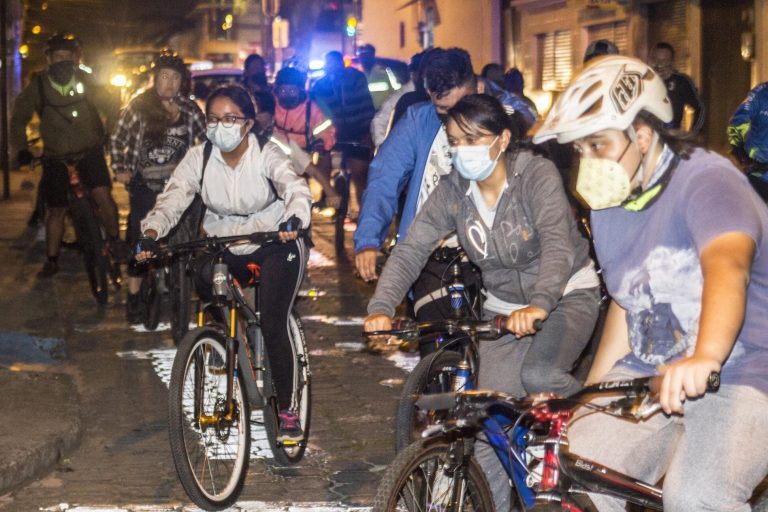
532,250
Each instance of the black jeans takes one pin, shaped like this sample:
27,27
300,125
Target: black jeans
280,270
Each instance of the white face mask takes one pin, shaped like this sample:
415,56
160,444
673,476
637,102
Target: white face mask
226,139
602,183
474,162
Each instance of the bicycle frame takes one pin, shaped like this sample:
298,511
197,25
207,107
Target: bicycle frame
562,473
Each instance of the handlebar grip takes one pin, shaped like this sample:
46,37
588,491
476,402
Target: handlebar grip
500,322
713,382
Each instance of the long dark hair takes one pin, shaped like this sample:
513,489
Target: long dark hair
485,112
153,113
681,143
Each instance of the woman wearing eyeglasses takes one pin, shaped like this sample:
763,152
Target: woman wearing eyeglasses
249,185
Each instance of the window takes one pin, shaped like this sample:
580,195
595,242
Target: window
555,60
615,32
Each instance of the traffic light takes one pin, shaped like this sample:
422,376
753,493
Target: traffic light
351,28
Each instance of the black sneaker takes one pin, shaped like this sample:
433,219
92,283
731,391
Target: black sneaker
48,270
134,309
290,430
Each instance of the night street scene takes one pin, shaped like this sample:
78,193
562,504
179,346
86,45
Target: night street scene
384,255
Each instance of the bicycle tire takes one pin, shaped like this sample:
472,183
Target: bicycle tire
412,479
341,186
153,299
95,257
433,374
180,295
197,367
284,454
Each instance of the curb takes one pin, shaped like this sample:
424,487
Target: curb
43,424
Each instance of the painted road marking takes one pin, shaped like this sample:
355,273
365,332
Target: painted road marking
245,506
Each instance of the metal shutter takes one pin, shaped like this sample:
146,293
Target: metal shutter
556,57
667,22
617,33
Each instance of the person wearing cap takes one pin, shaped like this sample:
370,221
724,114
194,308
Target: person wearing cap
681,239
598,48
303,131
70,107
152,135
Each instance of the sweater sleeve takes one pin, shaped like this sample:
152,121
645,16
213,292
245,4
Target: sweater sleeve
178,194
291,187
432,224
552,218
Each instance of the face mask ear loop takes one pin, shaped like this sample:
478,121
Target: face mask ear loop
646,165
638,177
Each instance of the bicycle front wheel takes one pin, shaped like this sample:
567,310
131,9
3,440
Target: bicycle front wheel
425,477
210,445
291,453
150,295
433,374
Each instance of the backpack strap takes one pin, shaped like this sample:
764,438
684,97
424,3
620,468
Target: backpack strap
206,155
307,127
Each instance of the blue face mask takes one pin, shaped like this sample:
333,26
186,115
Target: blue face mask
226,139
474,162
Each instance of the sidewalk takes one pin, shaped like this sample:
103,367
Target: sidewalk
39,398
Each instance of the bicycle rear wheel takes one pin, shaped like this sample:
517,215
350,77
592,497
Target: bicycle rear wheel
422,477
211,453
95,253
290,453
433,374
180,295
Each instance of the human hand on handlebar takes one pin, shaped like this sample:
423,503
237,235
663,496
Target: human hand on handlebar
289,230
523,322
377,322
685,378
146,247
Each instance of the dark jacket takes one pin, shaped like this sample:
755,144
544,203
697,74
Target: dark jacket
69,124
344,98
682,92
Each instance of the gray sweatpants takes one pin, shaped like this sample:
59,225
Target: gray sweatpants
535,364
713,456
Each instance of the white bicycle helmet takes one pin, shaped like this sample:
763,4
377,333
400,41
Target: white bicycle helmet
606,95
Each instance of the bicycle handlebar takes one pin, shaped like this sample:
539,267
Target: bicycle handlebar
263,237
494,328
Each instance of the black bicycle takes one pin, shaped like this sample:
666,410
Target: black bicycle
91,238
529,436
221,371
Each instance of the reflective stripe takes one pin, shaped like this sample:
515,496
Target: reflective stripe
396,85
378,87
322,127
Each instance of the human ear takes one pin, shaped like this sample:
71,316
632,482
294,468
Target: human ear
644,134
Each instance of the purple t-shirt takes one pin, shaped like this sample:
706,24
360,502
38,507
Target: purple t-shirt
650,262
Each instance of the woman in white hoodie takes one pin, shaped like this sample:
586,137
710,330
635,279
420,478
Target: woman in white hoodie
248,185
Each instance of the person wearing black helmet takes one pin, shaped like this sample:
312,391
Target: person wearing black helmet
70,107
152,135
